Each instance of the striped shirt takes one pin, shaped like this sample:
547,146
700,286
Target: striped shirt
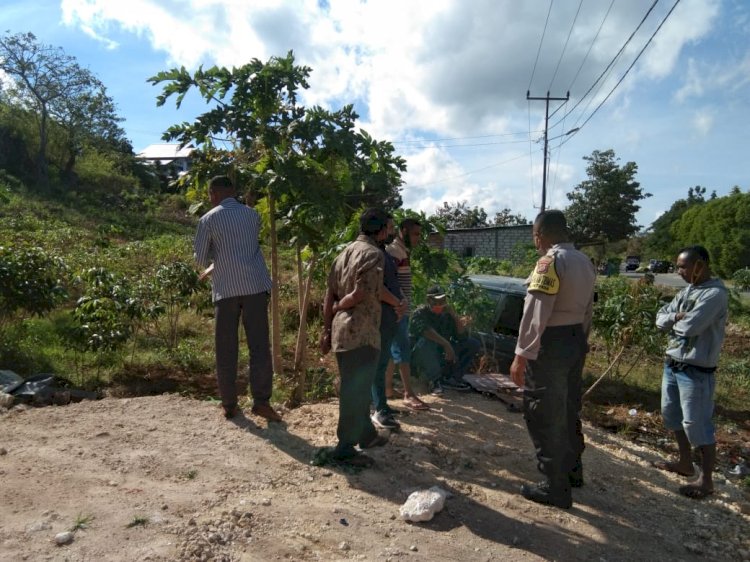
228,236
400,254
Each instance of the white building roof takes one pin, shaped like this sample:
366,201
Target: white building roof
165,152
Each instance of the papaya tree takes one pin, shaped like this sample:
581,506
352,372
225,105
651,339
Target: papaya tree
311,165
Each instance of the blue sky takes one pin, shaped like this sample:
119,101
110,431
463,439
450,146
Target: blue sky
421,72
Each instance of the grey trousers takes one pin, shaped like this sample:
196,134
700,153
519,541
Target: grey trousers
253,309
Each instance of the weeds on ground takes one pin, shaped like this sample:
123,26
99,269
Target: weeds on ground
81,522
138,520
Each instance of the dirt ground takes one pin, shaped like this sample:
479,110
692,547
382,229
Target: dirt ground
167,478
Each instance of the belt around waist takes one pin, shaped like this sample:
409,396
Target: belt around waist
672,363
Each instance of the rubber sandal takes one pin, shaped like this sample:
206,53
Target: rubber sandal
415,404
668,467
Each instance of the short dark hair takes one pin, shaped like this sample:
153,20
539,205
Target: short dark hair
372,221
220,183
409,223
552,222
695,253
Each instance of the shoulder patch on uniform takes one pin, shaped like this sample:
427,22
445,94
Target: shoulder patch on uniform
544,278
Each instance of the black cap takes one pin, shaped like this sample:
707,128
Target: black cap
436,293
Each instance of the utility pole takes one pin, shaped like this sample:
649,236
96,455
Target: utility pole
547,99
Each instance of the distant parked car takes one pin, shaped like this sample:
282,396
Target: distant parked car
508,293
632,263
660,266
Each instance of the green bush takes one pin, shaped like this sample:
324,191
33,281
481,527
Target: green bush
625,316
741,279
32,282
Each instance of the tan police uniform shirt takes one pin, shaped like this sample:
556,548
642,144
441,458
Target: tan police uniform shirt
361,261
560,292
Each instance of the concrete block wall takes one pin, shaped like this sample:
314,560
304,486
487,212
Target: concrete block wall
491,242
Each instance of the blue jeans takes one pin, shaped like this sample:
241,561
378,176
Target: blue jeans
687,403
379,399
401,345
429,358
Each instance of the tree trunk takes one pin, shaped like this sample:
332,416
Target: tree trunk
299,353
275,314
41,160
300,296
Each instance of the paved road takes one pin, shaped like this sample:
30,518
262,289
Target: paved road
666,279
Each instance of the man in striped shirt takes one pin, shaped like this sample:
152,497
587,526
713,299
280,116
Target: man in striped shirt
228,236
409,235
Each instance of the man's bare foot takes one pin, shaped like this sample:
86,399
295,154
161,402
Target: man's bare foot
675,467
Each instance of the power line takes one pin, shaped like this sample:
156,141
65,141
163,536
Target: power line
406,141
470,172
586,56
562,53
539,50
628,70
614,59
468,145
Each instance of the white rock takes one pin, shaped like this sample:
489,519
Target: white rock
422,505
63,538
6,400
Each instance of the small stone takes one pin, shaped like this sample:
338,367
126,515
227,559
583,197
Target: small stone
266,501
413,548
63,538
344,546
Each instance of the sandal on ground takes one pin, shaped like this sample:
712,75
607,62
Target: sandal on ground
695,492
414,403
670,467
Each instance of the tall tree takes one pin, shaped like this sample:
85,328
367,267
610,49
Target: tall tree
460,215
603,207
659,241
506,217
722,225
54,87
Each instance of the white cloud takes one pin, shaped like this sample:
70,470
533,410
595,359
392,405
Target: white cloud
703,121
447,68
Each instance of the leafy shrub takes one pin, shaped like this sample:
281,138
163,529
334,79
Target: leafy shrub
625,316
31,281
741,279
104,314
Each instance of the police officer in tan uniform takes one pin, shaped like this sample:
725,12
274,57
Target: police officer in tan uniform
550,353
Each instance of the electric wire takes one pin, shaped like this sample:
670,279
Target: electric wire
541,41
663,21
609,66
567,40
470,172
586,56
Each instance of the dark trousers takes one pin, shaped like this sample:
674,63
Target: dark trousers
356,371
429,358
552,401
379,400
253,309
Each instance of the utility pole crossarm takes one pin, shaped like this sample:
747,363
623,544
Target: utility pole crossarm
547,99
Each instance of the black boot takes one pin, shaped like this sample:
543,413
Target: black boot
575,476
558,495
